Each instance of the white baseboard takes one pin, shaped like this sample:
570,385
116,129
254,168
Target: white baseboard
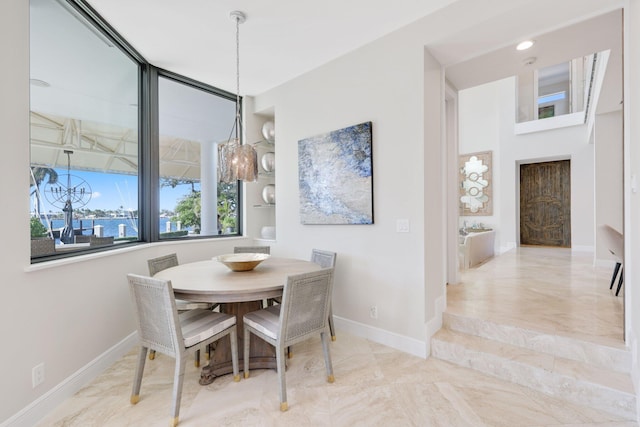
582,248
435,324
506,247
381,336
46,403
608,263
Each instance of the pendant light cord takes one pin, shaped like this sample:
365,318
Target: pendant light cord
238,118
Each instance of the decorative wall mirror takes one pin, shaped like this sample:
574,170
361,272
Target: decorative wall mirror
475,184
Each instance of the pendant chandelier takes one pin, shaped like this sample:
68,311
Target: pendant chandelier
237,161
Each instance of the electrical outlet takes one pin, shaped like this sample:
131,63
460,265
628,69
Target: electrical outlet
373,311
37,375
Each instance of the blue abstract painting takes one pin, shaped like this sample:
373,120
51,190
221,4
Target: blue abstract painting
335,177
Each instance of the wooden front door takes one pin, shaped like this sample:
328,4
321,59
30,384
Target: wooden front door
545,204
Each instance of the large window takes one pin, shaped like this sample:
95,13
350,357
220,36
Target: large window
191,123
95,148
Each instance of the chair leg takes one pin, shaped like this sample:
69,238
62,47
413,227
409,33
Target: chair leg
280,353
178,380
137,378
620,281
331,328
196,362
327,356
615,273
245,353
233,338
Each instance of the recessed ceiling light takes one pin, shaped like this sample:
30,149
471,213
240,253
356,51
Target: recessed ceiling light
38,82
525,45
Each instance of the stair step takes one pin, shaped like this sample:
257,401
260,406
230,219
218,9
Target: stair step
613,358
567,379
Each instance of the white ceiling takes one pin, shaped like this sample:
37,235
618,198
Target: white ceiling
280,39
599,33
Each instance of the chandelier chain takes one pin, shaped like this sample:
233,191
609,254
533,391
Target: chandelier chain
238,63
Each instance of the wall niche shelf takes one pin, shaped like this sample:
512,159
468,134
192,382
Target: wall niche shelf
262,191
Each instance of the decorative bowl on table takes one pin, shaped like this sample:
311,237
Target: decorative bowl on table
241,262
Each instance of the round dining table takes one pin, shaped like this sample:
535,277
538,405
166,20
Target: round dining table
238,293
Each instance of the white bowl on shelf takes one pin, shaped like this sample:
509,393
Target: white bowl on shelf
268,232
268,161
269,194
269,132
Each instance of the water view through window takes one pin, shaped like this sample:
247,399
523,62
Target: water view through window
87,142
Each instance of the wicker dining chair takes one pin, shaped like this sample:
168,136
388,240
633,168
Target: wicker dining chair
162,329
302,314
162,263
252,249
326,259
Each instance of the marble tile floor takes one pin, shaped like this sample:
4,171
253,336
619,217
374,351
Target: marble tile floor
551,290
375,386
379,386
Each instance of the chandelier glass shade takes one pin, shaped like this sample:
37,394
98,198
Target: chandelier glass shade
237,161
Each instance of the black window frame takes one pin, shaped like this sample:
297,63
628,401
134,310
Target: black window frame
148,137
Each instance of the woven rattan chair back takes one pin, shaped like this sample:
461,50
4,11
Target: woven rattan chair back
162,263
324,259
305,305
301,315
156,314
252,249
161,329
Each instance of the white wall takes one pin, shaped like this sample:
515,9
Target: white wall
479,130
631,196
609,176
376,266
487,123
75,315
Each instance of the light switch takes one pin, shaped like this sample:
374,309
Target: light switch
402,226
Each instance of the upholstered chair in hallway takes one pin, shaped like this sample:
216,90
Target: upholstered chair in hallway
614,242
